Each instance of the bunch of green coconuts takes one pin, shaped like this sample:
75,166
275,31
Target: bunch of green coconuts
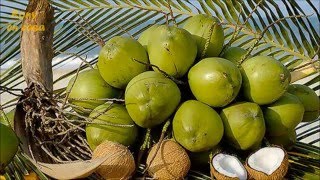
222,101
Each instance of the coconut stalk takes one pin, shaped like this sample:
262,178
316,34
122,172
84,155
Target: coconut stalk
47,136
36,58
41,124
36,46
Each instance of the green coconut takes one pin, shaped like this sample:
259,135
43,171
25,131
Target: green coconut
172,49
286,140
88,91
8,145
120,60
202,159
196,126
151,98
145,35
283,115
211,76
7,117
244,125
199,26
265,79
113,116
309,99
234,54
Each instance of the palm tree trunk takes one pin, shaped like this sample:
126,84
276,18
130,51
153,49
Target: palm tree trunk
36,54
36,43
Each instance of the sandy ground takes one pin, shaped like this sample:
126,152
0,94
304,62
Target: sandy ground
63,83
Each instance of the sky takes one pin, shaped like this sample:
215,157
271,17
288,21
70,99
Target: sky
303,4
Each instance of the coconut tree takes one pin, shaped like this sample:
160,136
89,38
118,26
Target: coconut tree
282,29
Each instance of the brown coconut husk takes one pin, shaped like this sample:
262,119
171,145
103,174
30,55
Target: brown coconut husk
121,163
170,162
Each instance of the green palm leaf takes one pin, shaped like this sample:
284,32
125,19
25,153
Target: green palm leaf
293,41
106,16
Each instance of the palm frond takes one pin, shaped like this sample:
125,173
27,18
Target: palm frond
296,40
288,36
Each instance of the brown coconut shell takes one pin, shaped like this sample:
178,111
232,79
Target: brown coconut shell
276,175
121,163
170,162
218,175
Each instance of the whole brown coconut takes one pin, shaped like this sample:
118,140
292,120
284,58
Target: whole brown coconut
121,163
170,162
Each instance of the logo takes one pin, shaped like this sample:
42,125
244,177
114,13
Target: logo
30,16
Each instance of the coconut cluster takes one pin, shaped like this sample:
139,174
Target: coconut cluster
181,73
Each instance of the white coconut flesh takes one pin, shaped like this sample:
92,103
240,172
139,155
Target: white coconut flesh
229,166
266,160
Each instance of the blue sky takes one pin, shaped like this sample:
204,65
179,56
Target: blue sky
303,4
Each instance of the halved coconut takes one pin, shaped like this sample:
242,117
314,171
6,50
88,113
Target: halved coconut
269,163
225,166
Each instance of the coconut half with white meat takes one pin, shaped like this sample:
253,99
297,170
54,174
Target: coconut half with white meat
268,163
227,167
